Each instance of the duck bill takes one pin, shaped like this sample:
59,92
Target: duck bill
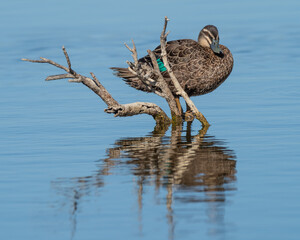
215,47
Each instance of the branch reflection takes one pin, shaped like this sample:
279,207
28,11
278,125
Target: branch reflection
190,168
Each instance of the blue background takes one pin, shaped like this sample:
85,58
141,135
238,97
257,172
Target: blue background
53,133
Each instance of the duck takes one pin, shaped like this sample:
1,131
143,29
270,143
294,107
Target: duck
200,66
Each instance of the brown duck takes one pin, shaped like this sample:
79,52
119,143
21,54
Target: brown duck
200,67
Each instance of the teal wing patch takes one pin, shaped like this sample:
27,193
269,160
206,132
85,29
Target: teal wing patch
161,65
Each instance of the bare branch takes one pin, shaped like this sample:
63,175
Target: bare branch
180,90
130,49
134,52
164,86
59,76
95,79
76,80
131,109
67,57
121,110
163,33
101,91
34,61
55,64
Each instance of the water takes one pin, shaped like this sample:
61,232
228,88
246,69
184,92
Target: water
70,171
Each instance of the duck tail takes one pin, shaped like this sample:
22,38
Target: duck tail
131,79
123,73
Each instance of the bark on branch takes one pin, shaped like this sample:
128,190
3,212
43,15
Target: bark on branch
120,110
152,84
180,91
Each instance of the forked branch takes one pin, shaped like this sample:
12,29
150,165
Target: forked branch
120,110
144,74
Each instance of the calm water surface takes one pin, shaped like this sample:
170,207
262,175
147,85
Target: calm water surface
70,171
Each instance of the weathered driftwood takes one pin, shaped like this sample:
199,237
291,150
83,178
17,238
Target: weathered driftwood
123,110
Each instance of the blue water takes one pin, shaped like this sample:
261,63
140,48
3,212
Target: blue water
71,171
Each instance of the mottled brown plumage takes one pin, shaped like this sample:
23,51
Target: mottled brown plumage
200,67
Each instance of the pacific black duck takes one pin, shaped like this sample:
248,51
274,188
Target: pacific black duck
200,67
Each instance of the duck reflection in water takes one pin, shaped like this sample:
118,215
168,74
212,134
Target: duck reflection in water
195,168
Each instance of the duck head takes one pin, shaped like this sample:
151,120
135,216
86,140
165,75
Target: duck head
209,37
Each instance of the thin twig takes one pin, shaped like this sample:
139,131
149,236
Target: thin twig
67,57
55,64
164,34
34,61
95,79
45,60
134,52
59,76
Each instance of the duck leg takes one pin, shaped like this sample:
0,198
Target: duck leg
178,105
188,115
188,109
